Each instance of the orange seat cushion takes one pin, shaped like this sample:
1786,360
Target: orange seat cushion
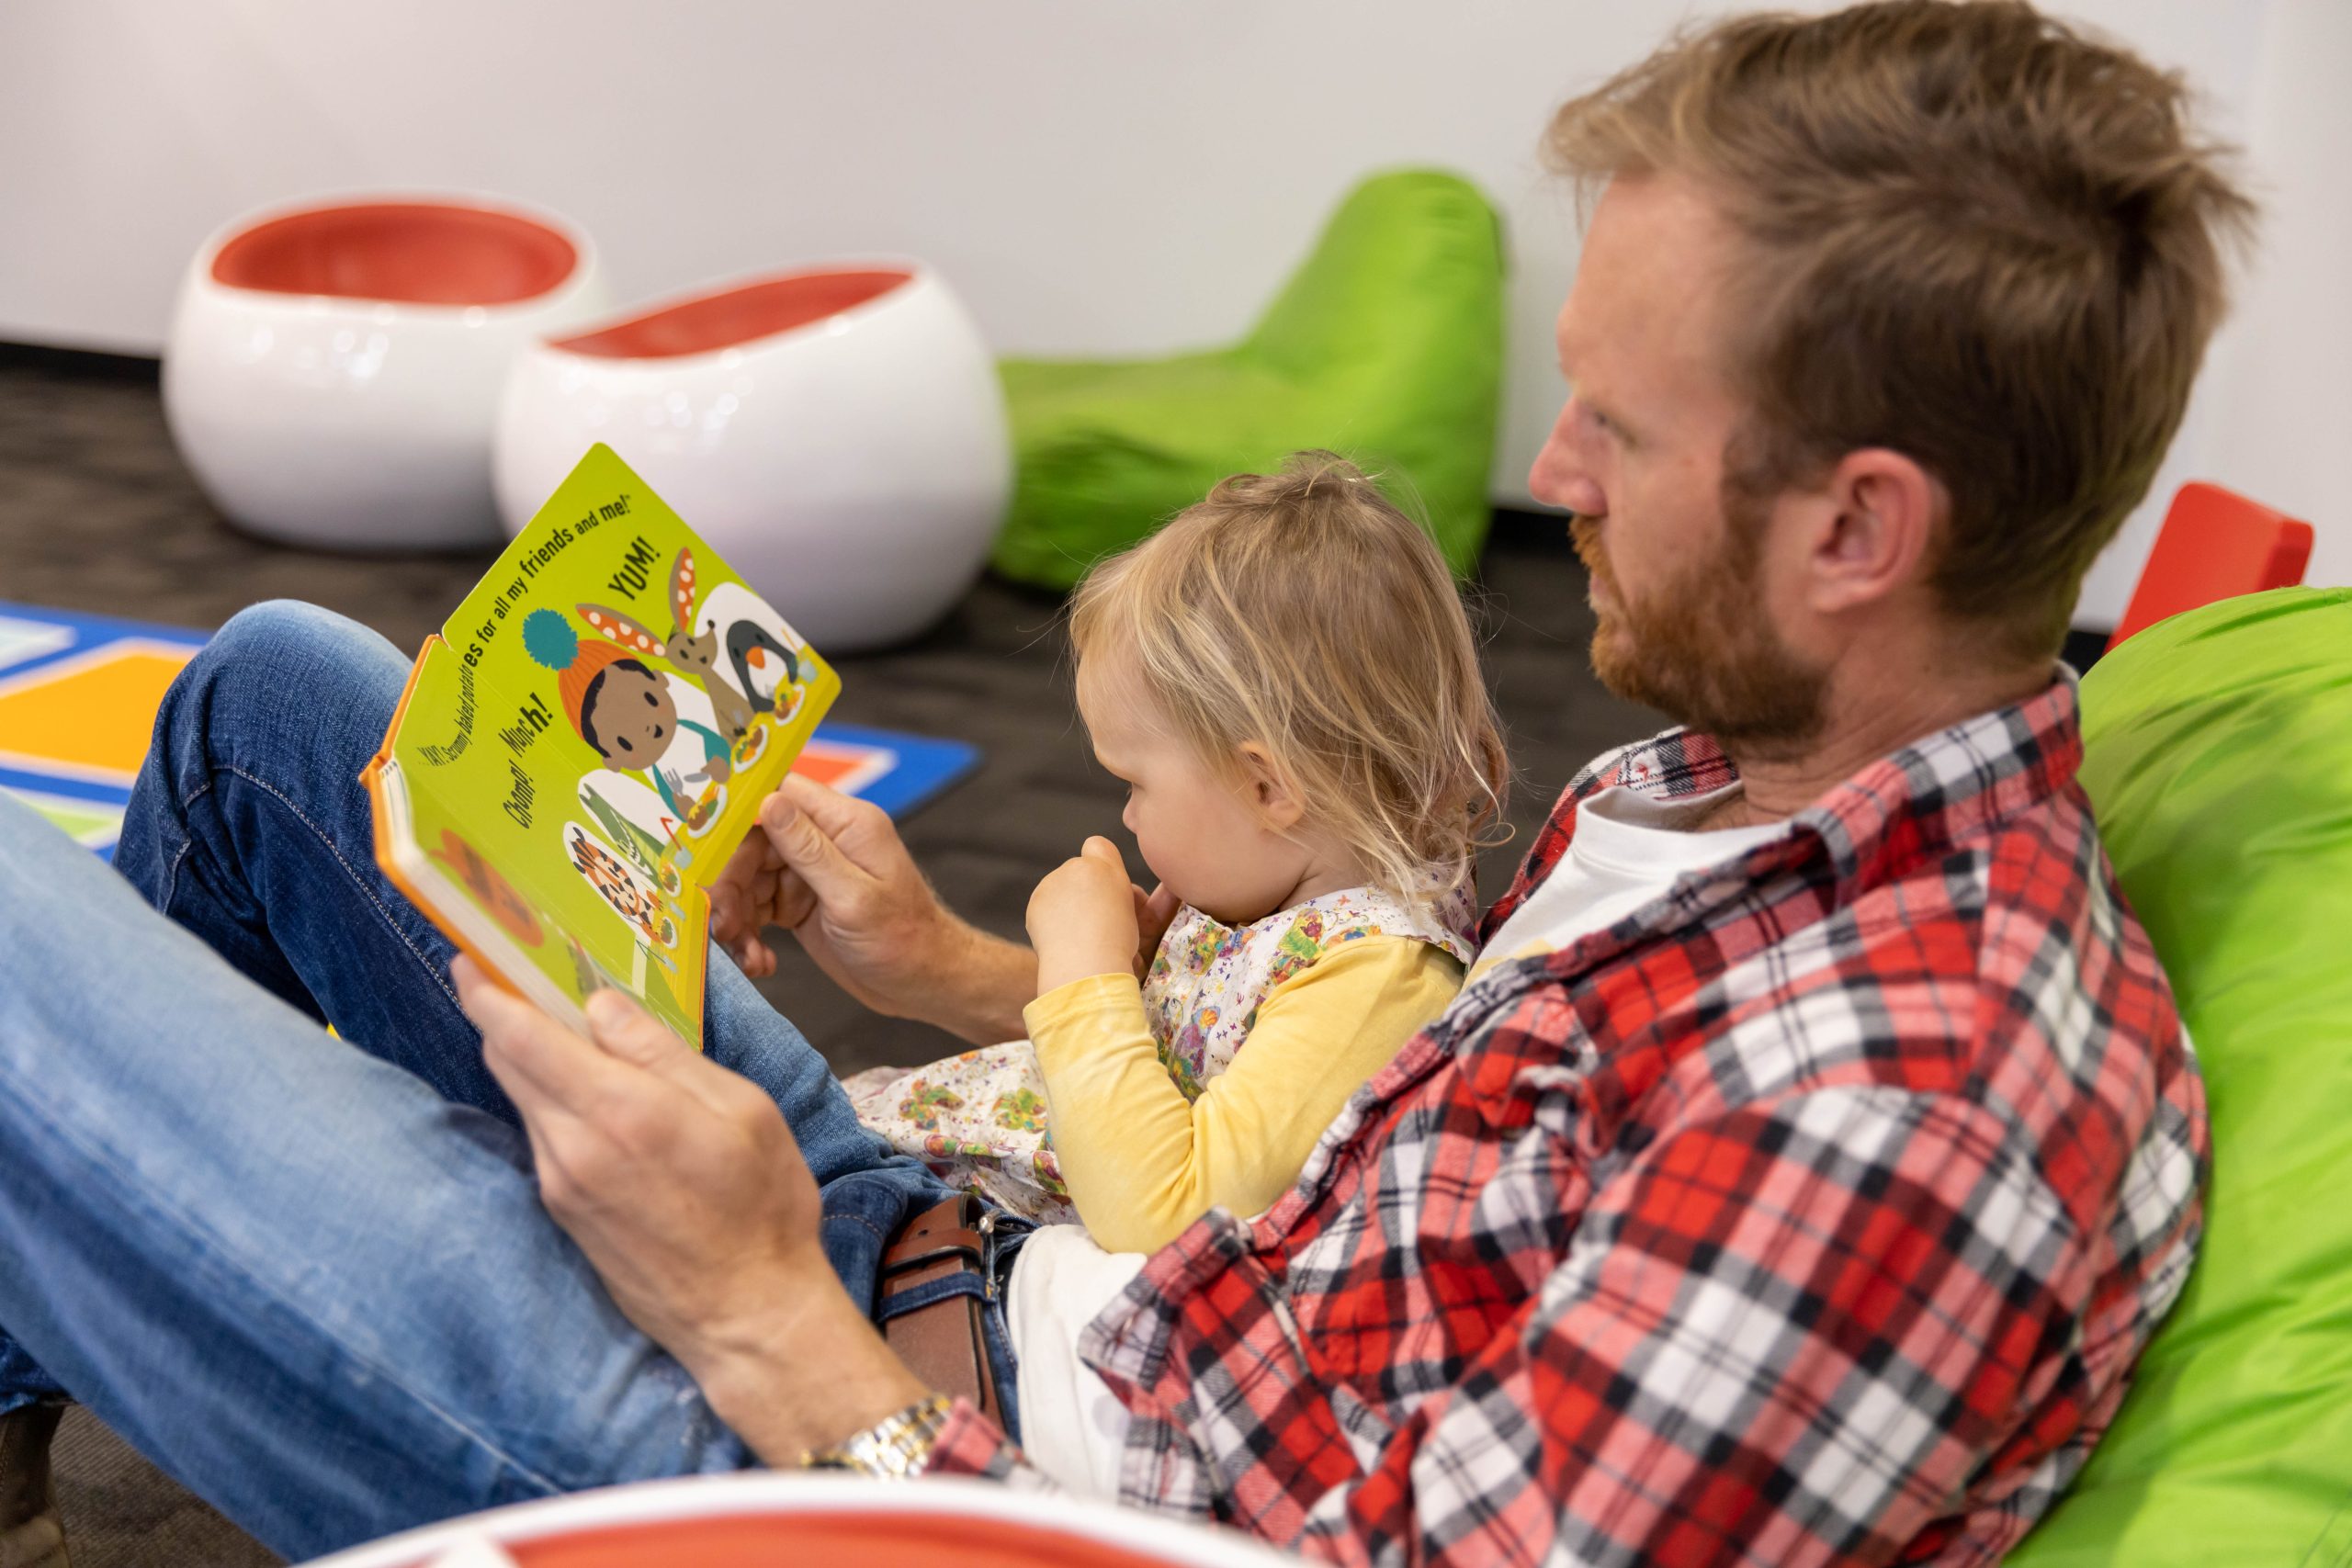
406,253
741,314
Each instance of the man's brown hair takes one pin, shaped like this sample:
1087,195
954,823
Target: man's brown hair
1972,235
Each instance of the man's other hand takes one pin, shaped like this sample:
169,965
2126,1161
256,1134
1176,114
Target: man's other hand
834,871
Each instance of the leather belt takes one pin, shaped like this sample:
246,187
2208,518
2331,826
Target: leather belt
941,1341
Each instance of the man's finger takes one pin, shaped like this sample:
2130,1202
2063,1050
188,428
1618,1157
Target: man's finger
625,1030
753,859
792,902
841,817
810,851
534,1058
729,907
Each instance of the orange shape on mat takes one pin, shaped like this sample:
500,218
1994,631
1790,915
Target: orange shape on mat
89,717
845,768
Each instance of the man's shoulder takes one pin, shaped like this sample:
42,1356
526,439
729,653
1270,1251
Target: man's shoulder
2024,907
2005,970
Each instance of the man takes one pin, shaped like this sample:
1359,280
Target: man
1795,1179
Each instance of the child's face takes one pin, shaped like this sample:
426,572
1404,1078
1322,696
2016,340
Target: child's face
1200,833
634,718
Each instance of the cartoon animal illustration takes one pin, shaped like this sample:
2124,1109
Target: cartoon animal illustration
694,650
637,719
763,667
646,842
621,884
764,657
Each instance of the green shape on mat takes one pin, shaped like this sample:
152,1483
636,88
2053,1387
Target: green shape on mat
1385,346
85,822
2219,762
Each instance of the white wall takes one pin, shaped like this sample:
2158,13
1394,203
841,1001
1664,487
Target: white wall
2282,375
1096,177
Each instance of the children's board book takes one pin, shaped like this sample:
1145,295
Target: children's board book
584,744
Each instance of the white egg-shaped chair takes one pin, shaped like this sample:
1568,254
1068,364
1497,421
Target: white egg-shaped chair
838,434
760,1519
334,370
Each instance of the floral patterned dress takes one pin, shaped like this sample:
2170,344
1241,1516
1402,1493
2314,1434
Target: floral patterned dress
980,1119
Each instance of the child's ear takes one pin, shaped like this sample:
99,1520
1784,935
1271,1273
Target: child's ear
1271,788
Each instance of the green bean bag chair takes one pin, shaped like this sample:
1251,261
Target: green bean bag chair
1385,346
2219,762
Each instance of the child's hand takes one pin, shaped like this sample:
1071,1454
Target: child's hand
1082,917
1154,912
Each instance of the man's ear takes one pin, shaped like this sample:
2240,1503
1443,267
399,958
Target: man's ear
1271,789
1880,516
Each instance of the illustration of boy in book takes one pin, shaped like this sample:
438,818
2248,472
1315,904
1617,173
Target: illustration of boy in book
730,651
644,723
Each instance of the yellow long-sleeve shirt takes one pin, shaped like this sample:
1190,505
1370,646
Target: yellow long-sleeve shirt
1142,1162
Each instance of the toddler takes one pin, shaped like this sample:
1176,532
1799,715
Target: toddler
1285,679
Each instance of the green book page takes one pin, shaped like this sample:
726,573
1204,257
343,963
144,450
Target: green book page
645,690
592,736
573,909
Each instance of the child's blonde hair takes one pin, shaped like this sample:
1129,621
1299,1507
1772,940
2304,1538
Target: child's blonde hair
1302,611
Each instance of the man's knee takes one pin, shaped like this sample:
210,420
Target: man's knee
297,646
285,653
282,668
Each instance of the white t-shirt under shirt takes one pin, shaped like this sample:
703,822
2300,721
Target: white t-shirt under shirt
1072,1427
1628,850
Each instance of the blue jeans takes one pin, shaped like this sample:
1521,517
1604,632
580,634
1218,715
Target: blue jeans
311,1277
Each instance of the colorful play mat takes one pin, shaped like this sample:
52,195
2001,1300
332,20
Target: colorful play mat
78,695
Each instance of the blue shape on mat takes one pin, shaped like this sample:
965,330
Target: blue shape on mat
922,765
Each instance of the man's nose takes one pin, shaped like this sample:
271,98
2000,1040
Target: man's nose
1559,479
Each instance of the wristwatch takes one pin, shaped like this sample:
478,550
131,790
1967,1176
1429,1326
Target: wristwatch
897,1448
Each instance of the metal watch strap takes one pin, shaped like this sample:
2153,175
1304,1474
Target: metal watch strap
897,1448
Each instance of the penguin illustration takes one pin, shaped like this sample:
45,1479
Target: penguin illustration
759,651
763,666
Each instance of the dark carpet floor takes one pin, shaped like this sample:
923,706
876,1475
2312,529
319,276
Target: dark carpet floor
97,513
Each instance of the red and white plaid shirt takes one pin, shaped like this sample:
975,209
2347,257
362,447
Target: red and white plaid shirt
1813,1213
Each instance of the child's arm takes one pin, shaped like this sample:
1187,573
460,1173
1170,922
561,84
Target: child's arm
1142,1163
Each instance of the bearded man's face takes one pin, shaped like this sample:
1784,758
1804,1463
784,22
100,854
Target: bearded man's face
1675,541
1698,645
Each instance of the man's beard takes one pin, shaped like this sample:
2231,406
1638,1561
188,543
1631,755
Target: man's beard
1700,649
